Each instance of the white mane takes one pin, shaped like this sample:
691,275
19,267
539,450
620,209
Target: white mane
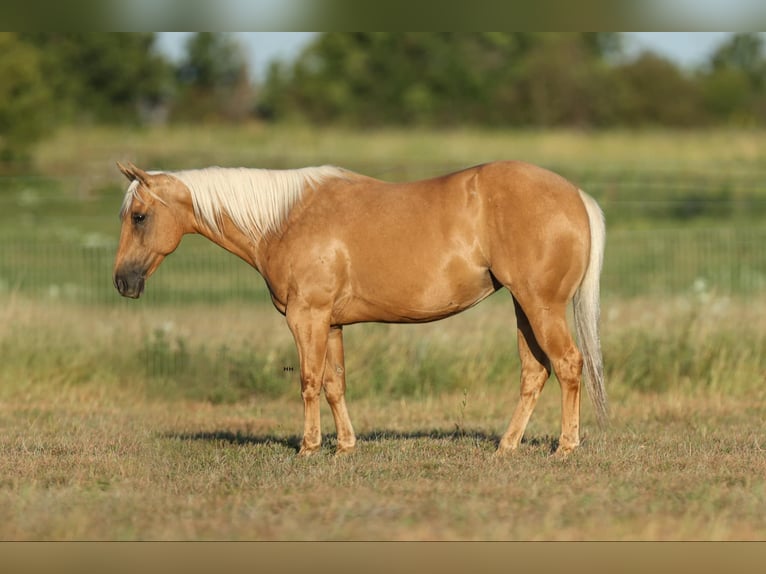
256,200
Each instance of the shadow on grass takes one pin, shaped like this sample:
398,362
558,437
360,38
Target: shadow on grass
330,440
239,438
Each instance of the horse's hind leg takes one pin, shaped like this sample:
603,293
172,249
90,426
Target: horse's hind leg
549,325
535,370
334,383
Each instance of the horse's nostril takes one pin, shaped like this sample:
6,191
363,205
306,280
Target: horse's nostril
121,284
129,283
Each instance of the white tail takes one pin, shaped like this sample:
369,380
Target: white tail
587,311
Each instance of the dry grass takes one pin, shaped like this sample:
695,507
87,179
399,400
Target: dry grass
91,153
671,468
90,450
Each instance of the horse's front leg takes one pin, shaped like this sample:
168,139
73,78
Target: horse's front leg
335,389
310,330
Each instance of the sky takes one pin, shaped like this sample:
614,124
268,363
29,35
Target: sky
261,47
688,49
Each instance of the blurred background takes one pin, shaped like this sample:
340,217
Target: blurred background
437,80
664,129
362,80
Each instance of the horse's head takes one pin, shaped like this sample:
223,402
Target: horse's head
153,221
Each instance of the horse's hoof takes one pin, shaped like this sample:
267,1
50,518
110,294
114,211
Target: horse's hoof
345,450
503,453
563,451
308,451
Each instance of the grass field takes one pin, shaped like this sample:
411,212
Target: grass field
100,443
178,416
683,209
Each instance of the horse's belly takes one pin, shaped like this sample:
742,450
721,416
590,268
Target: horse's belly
415,301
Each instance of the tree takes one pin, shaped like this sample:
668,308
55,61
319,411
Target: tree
744,52
213,80
651,90
734,85
100,76
564,81
24,97
445,78
373,78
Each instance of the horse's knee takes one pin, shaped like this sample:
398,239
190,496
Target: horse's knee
334,394
534,371
533,379
569,367
311,387
334,385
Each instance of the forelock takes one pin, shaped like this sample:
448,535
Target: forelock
132,194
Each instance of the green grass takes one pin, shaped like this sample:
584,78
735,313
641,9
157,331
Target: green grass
681,207
643,178
684,210
178,416
77,152
85,467
229,353
100,443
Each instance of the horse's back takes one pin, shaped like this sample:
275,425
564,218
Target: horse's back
426,249
524,186
500,186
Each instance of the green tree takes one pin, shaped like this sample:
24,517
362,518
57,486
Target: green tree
564,80
734,85
744,52
371,78
213,80
24,97
103,77
651,90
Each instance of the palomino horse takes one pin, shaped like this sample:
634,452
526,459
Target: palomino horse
337,248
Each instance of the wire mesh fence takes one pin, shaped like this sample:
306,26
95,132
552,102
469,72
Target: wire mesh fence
726,261
669,232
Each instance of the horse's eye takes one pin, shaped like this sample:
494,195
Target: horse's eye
138,218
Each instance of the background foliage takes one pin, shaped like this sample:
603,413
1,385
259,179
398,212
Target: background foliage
518,79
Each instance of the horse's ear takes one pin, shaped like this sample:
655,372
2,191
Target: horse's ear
133,173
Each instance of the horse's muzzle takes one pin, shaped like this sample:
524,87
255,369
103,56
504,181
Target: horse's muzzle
129,284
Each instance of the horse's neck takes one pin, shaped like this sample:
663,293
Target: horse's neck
233,240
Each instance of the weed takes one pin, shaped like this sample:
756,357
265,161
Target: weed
460,423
